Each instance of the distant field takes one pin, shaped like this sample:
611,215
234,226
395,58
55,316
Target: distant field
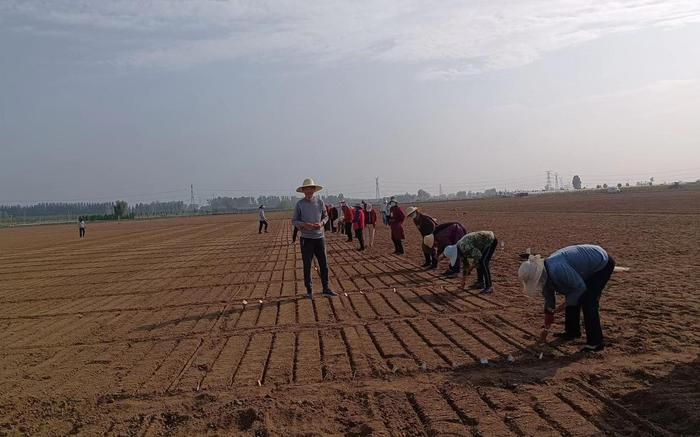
140,329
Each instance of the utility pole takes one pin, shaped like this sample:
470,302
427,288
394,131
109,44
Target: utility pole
556,181
440,190
192,197
376,183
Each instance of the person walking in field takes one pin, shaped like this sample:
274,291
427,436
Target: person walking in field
426,226
370,224
444,235
358,225
261,218
310,216
478,246
396,218
81,226
579,273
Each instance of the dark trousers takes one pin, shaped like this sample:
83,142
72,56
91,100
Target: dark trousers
294,234
311,247
262,223
82,232
589,304
483,270
360,238
398,246
348,231
430,255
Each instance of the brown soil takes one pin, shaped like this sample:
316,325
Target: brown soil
140,329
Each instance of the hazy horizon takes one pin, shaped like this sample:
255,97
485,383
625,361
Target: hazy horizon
119,99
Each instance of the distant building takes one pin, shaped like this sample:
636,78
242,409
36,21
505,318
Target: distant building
491,192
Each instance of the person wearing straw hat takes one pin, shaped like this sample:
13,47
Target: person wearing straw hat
578,272
309,217
426,226
261,218
396,218
479,246
446,234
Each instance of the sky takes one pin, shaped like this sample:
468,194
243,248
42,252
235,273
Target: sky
129,99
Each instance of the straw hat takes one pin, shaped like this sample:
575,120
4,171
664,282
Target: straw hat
410,210
429,240
309,182
530,274
451,253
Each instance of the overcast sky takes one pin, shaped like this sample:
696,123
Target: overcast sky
124,98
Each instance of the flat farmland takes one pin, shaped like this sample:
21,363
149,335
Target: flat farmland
199,326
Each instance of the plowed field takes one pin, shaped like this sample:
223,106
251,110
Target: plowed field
141,329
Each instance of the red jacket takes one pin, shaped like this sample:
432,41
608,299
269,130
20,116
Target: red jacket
396,223
347,214
358,222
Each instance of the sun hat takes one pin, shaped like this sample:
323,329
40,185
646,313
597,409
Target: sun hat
530,273
429,240
309,182
451,253
410,210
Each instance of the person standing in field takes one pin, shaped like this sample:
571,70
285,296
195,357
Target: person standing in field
479,246
358,225
396,218
578,272
370,224
347,219
333,216
81,226
385,212
426,226
261,218
444,235
310,217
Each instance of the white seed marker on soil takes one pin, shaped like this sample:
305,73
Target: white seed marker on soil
245,302
510,358
541,355
484,361
260,301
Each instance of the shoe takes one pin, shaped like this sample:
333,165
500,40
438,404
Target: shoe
330,293
447,272
593,348
433,266
565,336
487,290
426,264
477,285
452,275
310,295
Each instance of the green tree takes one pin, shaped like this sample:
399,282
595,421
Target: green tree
121,208
576,182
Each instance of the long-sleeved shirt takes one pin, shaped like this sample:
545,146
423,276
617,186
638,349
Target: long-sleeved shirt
446,234
568,269
310,211
425,224
473,245
261,214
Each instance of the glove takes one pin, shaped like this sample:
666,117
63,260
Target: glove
548,318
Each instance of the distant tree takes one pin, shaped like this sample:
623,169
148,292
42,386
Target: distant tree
461,194
598,186
121,208
422,195
605,185
651,180
619,185
576,182
627,184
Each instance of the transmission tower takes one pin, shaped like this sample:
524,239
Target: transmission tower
556,181
440,190
548,187
192,196
376,183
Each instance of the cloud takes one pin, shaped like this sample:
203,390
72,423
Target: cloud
445,40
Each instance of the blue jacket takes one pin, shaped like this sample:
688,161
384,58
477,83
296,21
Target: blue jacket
568,269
